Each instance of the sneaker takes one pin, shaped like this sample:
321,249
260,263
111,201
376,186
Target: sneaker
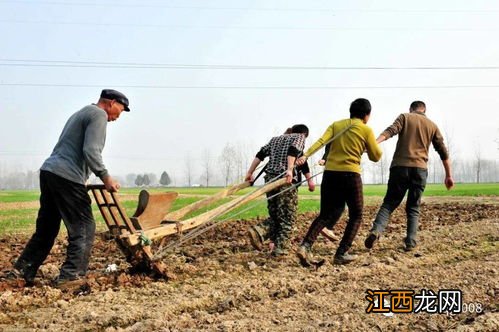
16,274
370,239
340,259
255,237
329,234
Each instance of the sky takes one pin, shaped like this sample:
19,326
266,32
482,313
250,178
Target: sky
206,73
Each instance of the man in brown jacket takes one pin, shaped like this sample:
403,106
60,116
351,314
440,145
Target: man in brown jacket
409,170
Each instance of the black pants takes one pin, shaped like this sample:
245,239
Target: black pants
338,188
69,201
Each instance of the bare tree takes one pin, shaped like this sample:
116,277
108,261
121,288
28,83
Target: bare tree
227,162
30,180
207,167
382,167
240,166
451,146
478,162
188,170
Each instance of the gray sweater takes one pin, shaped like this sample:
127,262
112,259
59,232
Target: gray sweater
78,151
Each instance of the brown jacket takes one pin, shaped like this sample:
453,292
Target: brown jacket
416,132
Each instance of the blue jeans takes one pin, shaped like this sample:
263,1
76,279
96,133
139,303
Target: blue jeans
69,201
403,179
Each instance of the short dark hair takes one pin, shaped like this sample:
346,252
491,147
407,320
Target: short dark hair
359,108
300,129
415,105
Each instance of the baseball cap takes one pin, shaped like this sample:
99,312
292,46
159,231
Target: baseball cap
116,95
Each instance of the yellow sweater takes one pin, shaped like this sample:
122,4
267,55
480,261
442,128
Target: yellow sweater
346,150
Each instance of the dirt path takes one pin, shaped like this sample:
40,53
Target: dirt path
223,285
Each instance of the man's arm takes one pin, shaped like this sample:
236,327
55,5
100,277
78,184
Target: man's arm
95,137
253,166
323,160
305,170
289,171
439,145
449,181
310,182
110,184
393,130
373,150
381,138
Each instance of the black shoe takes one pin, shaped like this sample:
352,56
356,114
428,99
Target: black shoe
409,248
255,237
340,259
370,239
16,274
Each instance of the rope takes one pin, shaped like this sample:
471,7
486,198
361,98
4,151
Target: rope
333,138
207,226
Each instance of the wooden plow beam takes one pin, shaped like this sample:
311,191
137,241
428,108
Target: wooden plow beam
152,221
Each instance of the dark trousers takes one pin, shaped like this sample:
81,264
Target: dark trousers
410,180
69,201
338,188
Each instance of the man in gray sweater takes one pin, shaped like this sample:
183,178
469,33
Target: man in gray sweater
63,193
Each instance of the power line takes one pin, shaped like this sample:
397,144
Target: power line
139,65
232,27
251,87
321,10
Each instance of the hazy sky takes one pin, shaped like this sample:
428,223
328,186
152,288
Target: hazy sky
200,74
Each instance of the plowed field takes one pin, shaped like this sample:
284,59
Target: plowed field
220,283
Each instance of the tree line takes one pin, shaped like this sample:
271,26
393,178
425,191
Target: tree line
232,171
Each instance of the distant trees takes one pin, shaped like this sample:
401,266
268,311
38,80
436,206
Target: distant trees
207,169
139,181
188,169
165,180
227,161
130,179
146,180
478,162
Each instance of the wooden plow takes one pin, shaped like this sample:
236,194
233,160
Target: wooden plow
152,223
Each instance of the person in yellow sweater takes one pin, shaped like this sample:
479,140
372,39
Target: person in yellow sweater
341,181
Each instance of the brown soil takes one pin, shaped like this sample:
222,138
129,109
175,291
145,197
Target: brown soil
221,284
